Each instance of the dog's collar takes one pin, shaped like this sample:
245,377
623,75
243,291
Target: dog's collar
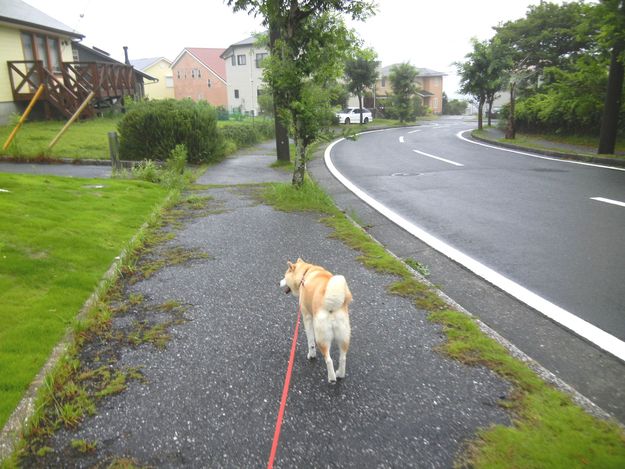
301,283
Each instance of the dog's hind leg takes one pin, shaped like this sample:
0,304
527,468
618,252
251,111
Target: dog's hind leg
342,334
310,335
323,337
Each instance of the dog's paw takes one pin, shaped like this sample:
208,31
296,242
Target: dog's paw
340,375
330,381
312,355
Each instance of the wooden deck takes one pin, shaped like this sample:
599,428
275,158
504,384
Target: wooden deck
67,88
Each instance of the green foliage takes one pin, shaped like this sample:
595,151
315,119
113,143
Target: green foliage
265,102
247,133
152,129
455,107
361,73
402,79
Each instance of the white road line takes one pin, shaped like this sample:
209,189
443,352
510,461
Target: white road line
401,139
608,201
602,339
413,131
438,158
534,155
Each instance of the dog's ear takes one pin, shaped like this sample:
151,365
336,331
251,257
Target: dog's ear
291,266
299,259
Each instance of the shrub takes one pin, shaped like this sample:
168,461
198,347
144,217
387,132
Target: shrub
152,129
244,134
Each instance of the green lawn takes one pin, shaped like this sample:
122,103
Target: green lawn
84,139
57,238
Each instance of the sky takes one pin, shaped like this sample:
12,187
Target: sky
432,34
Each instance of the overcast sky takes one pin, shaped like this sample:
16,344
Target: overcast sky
431,34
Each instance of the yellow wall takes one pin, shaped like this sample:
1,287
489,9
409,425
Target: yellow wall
160,70
10,49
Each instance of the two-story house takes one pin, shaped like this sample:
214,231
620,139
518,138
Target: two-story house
243,62
429,83
200,74
160,69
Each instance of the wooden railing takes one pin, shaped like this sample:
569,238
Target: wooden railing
69,88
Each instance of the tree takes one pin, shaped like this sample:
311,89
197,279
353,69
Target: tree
474,76
361,72
615,27
454,107
308,53
402,79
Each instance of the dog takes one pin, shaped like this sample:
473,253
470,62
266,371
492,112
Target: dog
324,299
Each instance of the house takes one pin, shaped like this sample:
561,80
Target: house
159,68
430,88
38,50
243,62
200,74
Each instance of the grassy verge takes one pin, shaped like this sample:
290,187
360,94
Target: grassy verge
587,146
57,238
549,429
84,139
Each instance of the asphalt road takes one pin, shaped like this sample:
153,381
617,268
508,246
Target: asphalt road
529,219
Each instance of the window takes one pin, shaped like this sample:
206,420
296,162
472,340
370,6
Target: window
240,59
178,74
259,59
209,83
236,94
383,82
192,73
44,48
169,82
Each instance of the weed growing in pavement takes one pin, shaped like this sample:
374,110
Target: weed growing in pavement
549,429
418,266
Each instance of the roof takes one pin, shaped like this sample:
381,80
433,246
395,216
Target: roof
423,72
248,41
143,64
105,57
209,57
18,12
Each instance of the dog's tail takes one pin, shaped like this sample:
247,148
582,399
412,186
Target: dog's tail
337,294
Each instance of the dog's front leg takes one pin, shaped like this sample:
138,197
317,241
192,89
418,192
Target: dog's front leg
310,336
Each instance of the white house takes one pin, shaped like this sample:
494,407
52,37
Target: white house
245,75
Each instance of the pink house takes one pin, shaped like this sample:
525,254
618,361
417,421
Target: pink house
200,74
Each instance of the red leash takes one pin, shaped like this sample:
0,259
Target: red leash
285,394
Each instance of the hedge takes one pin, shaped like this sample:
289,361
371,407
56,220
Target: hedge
152,129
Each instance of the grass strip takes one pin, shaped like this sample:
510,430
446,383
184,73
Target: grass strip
549,430
58,236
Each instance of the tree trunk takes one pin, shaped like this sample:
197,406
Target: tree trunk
609,119
299,171
490,110
282,134
511,128
480,112
360,106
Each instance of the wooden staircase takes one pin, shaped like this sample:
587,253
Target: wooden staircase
67,89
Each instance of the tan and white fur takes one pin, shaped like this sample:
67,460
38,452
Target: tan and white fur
324,299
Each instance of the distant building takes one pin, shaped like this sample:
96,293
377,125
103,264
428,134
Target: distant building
243,61
200,74
159,68
430,87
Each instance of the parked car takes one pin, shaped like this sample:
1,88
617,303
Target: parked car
352,114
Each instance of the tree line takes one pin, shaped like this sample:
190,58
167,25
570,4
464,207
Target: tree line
562,66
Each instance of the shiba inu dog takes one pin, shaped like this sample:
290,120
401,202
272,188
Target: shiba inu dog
324,299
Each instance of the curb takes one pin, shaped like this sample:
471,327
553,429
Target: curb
552,153
73,161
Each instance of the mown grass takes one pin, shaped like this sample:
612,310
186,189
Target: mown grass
549,430
58,236
84,139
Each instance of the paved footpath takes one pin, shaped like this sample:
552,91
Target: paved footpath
211,396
